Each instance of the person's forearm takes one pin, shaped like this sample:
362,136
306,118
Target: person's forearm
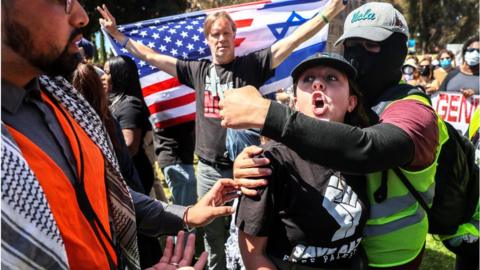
138,50
284,48
339,146
163,62
156,218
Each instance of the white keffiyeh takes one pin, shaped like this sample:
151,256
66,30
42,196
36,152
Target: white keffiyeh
30,236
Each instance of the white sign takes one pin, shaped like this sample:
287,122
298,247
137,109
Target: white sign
455,108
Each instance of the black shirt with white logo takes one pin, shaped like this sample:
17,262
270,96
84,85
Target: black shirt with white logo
311,215
251,69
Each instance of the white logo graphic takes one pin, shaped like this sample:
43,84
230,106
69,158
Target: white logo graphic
342,204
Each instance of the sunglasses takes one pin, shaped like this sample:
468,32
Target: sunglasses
472,49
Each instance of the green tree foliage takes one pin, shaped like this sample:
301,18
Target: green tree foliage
206,4
435,23
127,11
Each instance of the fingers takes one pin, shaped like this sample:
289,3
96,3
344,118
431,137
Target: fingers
248,192
168,251
102,12
202,260
189,251
108,11
251,183
251,162
218,188
251,173
226,182
221,211
229,197
251,151
178,248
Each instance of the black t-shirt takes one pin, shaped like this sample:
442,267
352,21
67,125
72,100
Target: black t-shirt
132,113
252,69
175,144
127,168
311,215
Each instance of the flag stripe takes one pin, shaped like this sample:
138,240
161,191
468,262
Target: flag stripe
243,23
168,94
238,41
172,103
175,112
160,86
176,121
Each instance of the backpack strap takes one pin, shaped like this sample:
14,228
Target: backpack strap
381,193
412,190
397,92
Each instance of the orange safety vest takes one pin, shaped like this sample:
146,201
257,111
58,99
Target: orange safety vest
83,247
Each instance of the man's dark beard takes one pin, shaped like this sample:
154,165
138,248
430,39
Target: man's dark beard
53,63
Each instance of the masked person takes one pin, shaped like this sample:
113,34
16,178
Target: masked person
410,71
446,61
426,79
464,79
407,136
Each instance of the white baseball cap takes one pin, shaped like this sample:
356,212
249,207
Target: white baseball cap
374,21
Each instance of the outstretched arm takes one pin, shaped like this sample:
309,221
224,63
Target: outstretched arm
211,205
161,61
284,47
334,145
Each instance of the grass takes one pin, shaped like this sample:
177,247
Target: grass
436,256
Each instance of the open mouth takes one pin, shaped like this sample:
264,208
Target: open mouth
318,102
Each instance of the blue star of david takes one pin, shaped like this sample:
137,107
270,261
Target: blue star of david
279,30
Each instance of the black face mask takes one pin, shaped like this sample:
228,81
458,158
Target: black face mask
425,71
378,71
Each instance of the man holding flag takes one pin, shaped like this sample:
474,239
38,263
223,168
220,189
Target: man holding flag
211,79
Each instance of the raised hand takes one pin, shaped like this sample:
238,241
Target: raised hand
107,21
180,257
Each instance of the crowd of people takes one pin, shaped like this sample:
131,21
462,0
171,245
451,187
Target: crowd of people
311,175
442,73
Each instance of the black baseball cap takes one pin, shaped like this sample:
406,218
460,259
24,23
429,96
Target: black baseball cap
334,60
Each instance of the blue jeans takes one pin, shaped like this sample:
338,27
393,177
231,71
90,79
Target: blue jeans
216,233
180,179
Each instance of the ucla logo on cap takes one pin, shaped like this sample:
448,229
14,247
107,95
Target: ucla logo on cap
361,16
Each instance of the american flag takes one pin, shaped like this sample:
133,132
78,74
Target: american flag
259,25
